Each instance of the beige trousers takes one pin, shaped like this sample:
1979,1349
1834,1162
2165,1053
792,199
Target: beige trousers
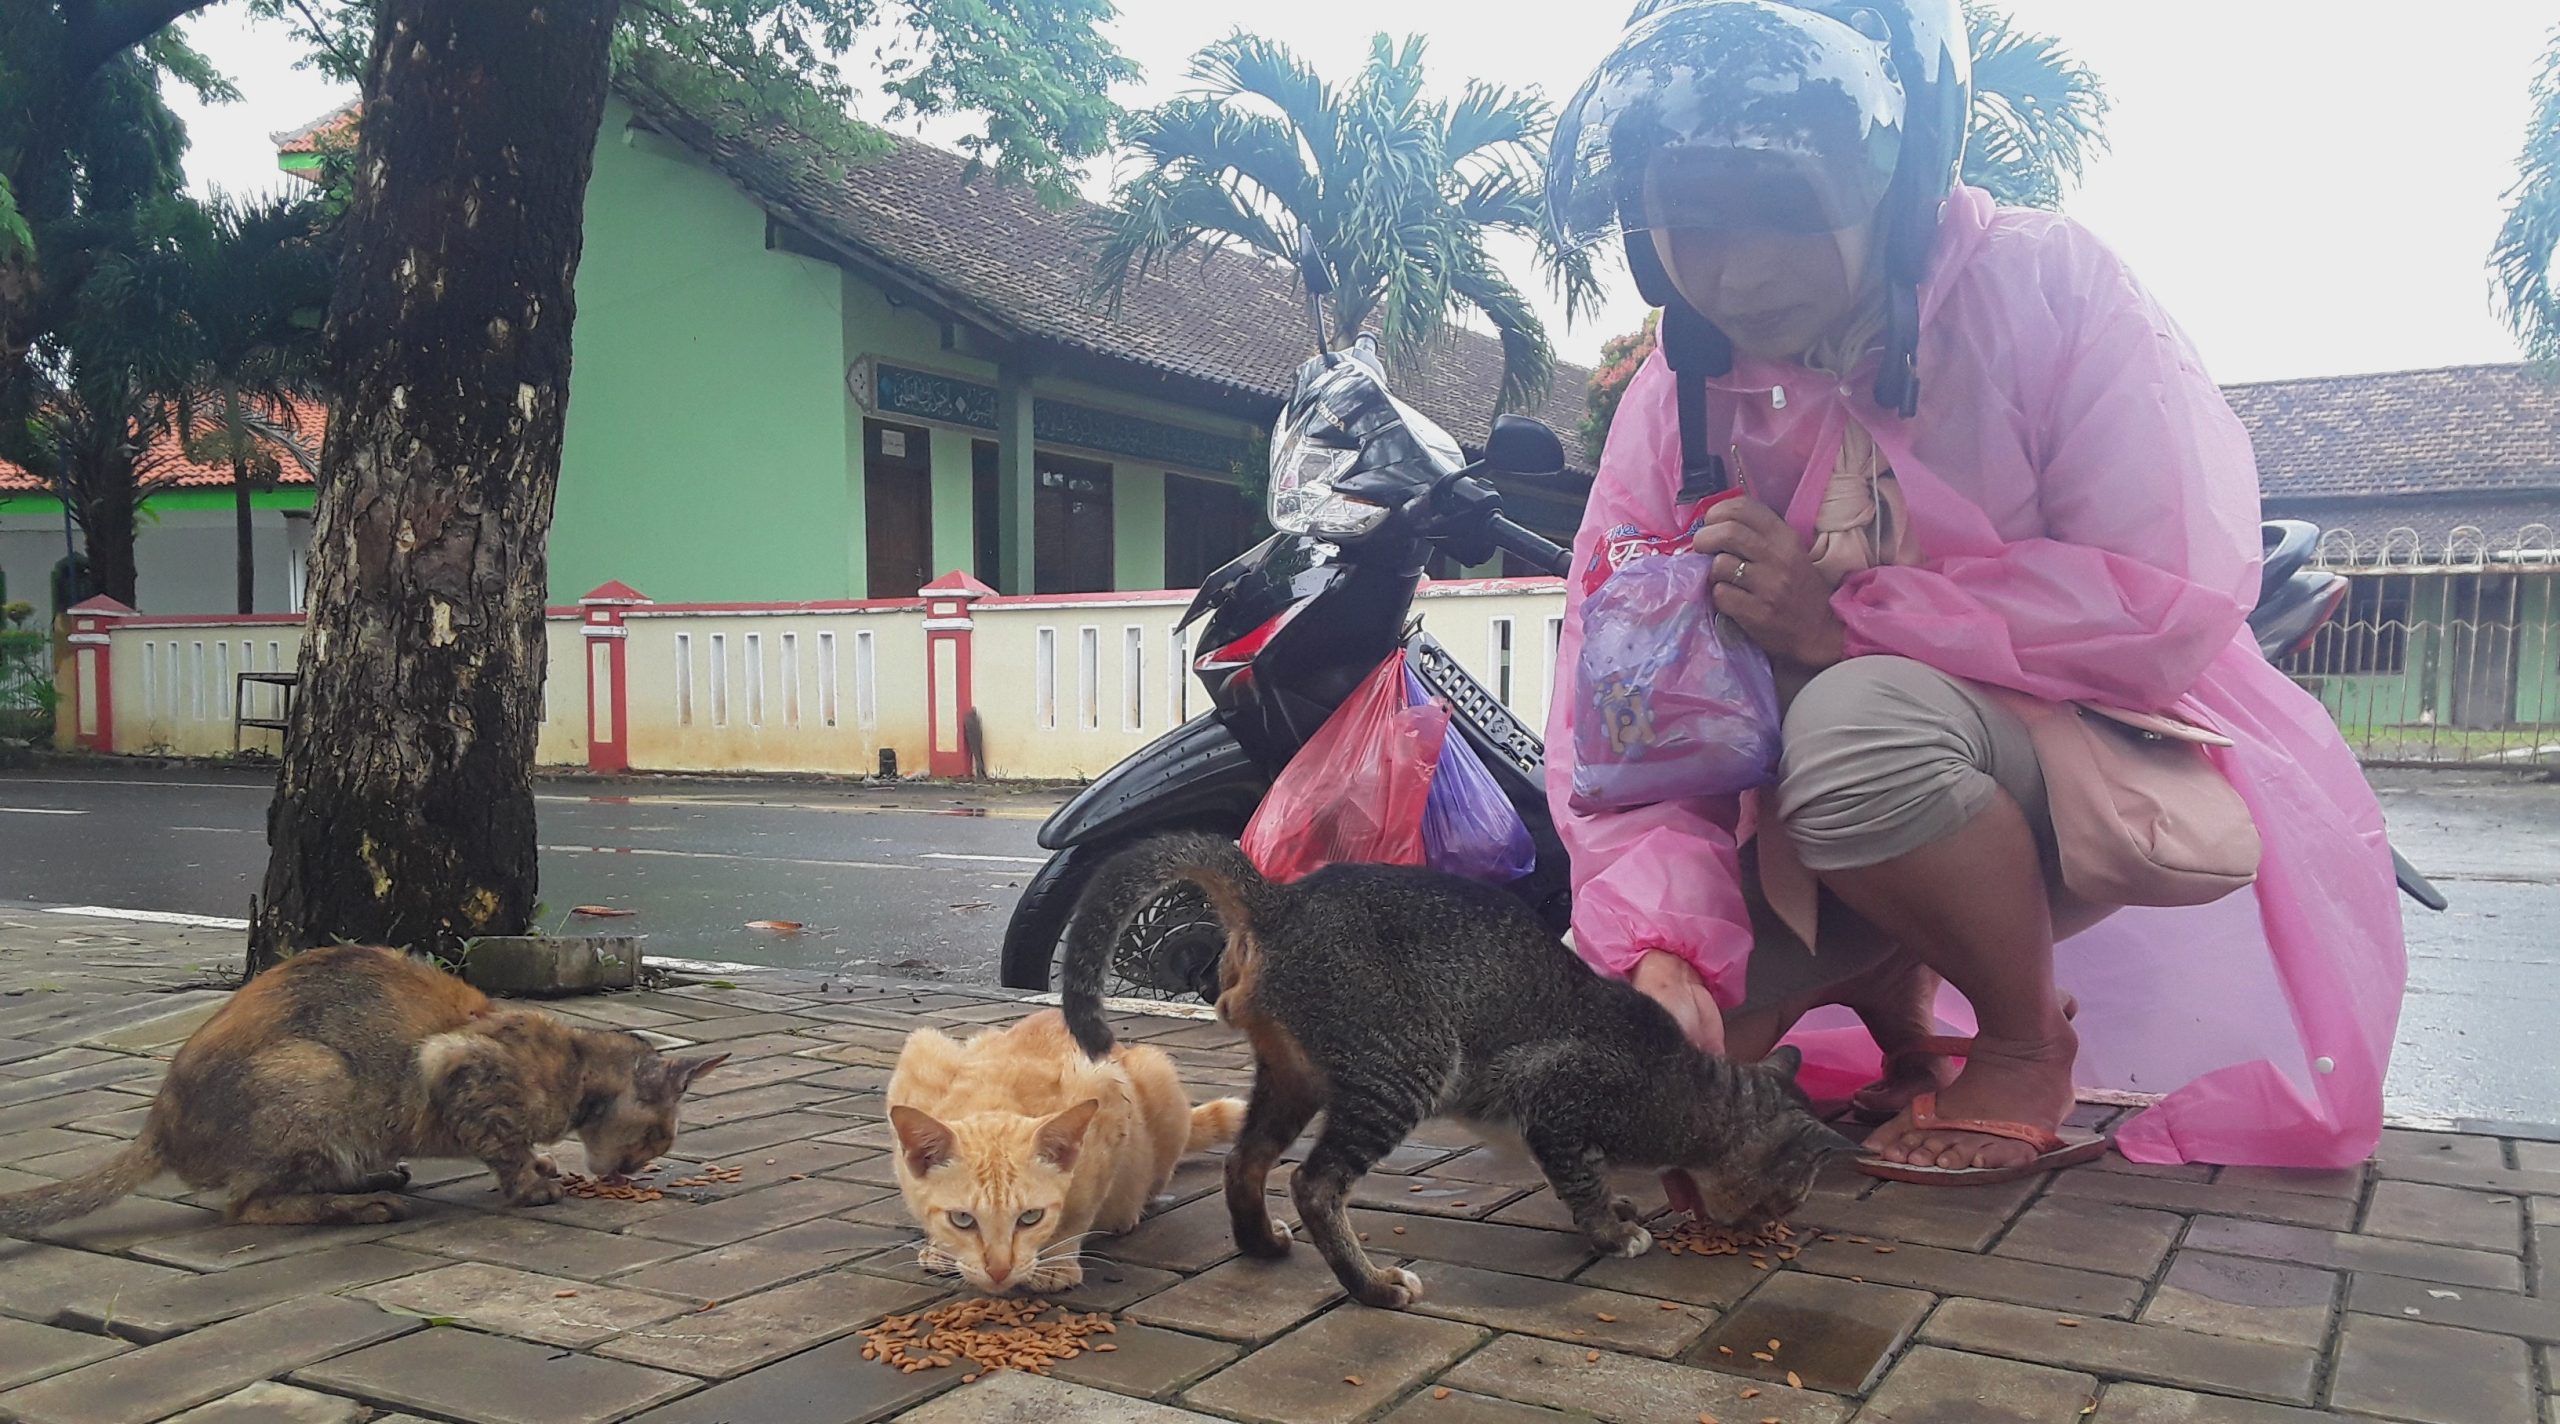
1884,755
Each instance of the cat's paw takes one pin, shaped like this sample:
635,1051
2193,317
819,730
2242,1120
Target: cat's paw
541,1191
372,1210
543,1163
1622,1238
1064,1276
1391,1289
1625,1209
1273,1244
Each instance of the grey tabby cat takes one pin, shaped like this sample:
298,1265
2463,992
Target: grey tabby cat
1381,996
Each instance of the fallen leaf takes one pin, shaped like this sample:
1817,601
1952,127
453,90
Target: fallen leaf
601,912
1794,1381
1440,1393
1350,1379
1751,1394
777,926
562,1295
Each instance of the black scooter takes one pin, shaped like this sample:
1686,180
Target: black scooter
1363,489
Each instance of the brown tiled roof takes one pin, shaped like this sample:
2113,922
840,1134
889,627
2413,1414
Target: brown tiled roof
991,249
2480,430
306,139
166,459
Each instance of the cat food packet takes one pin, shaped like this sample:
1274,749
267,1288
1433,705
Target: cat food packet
1469,827
1356,791
1672,701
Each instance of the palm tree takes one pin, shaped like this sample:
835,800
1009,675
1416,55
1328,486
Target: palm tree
2039,113
90,429
232,306
2529,242
1395,193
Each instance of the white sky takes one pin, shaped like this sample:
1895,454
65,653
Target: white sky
2309,187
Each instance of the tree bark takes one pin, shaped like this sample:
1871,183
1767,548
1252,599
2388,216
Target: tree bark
107,528
246,560
405,810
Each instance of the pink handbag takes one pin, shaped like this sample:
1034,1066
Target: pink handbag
2141,815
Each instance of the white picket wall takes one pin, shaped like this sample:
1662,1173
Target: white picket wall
1063,686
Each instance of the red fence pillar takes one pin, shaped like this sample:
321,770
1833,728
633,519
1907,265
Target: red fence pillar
947,627
93,692
608,674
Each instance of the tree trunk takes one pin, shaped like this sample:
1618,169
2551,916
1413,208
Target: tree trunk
246,561
405,810
107,529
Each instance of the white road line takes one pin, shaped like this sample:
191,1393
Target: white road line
727,855
109,781
148,917
38,811
990,859
218,830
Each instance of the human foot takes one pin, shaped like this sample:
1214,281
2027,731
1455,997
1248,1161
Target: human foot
1916,1060
2025,1081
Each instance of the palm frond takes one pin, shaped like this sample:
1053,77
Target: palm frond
1250,64
2039,113
1489,116
1528,358
2528,246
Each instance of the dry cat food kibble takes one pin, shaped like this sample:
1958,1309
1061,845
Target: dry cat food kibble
1697,1238
602,1189
991,1333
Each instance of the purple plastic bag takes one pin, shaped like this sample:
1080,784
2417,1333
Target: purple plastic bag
1469,827
1668,705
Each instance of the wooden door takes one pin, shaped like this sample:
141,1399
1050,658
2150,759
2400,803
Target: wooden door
897,505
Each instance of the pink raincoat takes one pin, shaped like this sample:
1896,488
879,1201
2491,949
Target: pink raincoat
2087,510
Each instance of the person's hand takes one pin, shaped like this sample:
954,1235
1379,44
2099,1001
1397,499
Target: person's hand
1668,980
1766,582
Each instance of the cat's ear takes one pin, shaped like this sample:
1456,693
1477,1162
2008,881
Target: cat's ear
1787,1059
925,1142
1061,1137
685,1070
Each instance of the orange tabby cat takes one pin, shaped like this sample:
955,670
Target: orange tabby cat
1014,1147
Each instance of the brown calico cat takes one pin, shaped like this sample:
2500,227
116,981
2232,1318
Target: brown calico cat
1014,1147
1381,996
301,1095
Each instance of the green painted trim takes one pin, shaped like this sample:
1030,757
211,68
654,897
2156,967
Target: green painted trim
955,501
1137,526
912,393
168,500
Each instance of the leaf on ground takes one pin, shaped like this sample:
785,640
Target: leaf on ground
601,912
777,926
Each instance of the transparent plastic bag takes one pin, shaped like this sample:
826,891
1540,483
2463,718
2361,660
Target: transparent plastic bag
1357,790
1469,827
1672,703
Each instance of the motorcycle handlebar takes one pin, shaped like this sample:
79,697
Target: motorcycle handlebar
1528,545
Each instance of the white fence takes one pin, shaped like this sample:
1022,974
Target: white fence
1062,687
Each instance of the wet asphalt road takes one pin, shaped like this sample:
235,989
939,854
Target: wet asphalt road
920,880
917,881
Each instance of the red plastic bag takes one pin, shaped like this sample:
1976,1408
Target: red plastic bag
1356,791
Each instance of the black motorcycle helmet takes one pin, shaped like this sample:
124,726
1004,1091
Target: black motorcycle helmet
1804,115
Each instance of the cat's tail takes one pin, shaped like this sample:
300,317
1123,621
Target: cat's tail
1215,1124
27,1211
1125,885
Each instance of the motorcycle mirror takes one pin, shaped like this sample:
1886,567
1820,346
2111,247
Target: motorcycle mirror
1312,269
1521,446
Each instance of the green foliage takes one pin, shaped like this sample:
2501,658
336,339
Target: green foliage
1397,191
1040,71
1620,358
2528,245
2039,113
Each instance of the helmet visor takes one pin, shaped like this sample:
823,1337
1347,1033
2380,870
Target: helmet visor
1730,115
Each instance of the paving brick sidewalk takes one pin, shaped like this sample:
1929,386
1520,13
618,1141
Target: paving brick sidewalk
2414,1290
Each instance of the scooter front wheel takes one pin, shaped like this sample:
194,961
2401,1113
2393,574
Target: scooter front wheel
1171,949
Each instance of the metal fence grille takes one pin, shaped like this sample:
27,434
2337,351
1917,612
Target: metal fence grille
2447,653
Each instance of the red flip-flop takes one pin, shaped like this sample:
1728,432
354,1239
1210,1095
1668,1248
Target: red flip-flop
2053,1150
